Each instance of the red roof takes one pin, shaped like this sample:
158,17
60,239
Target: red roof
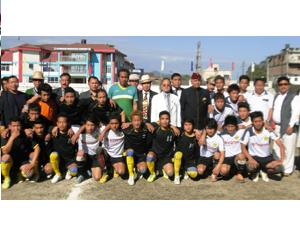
6,56
50,47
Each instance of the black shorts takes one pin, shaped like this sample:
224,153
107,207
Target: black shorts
229,160
92,160
263,161
207,161
64,162
139,158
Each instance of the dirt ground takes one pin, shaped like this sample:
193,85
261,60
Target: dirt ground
161,189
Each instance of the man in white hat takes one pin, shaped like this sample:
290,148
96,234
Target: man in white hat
134,80
37,80
145,98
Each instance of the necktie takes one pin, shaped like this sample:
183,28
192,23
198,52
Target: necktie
145,106
167,100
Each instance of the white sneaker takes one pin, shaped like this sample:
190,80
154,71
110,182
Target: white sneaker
49,176
186,176
68,176
256,178
177,180
56,179
131,180
264,176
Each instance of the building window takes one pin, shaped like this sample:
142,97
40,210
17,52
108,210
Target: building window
52,79
4,67
31,66
49,68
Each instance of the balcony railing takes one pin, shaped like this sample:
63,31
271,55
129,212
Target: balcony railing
75,71
73,58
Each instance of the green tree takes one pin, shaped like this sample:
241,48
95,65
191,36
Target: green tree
260,70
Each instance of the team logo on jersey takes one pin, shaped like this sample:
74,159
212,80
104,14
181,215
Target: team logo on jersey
266,138
237,137
215,145
204,99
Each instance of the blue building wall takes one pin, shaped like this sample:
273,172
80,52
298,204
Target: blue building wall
95,60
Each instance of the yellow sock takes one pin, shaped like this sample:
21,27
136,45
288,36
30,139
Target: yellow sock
130,165
54,160
5,169
151,167
177,162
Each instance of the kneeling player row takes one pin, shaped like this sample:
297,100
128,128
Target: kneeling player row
141,149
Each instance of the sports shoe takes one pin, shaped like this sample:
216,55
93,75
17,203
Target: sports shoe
177,180
56,179
116,174
165,175
6,183
20,178
68,176
151,178
49,176
104,178
79,179
35,178
264,176
213,178
186,176
255,177
131,181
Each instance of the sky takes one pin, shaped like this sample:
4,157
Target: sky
178,51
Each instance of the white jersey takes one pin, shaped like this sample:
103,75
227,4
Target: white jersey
262,102
114,143
258,144
233,105
232,142
220,116
213,144
89,143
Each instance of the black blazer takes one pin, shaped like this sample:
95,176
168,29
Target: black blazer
140,102
194,105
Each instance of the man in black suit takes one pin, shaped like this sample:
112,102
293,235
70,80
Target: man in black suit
176,84
145,97
59,93
195,103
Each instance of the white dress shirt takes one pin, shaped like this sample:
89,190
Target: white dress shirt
295,104
159,104
262,102
177,92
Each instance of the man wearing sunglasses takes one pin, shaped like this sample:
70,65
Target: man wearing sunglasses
285,114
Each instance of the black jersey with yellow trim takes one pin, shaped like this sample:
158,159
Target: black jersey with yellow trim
138,140
163,141
188,145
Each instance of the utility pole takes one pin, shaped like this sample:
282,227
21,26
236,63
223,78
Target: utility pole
243,67
198,57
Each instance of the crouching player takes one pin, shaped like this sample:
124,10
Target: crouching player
40,137
211,150
19,152
187,151
89,152
137,142
162,150
258,139
234,158
113,144
63,155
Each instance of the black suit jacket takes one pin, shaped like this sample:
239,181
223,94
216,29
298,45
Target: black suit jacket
140,102
194,105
